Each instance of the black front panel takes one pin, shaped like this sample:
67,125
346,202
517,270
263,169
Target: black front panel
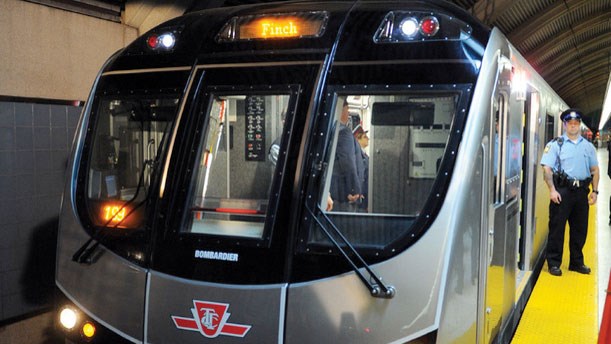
228,218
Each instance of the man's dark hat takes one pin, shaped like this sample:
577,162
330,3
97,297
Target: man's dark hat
569,114
359,130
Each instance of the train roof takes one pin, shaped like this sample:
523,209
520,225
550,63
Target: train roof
348,26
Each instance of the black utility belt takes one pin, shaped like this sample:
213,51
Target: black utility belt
572,184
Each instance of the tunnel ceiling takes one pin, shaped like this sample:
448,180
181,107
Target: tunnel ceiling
568,42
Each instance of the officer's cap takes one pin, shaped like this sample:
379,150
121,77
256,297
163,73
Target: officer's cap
570,114
359,131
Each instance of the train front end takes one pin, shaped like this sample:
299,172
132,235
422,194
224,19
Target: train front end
214,195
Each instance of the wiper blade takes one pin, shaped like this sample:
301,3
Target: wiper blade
377,288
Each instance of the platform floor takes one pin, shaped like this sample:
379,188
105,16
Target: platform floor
569,308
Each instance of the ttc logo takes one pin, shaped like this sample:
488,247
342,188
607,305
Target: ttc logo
210,319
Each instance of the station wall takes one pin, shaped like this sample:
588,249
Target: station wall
52,53
49,59
35,140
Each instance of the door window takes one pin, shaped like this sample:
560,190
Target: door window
238,156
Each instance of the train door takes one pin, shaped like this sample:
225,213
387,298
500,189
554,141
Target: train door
529,163
497,207
220,260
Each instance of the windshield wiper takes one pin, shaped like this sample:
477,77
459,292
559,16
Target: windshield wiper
377,288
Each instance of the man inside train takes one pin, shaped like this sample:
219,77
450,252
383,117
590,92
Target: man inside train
363,140
346,178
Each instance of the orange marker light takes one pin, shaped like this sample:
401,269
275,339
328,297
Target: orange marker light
88,330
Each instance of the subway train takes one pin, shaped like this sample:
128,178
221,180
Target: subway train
216,191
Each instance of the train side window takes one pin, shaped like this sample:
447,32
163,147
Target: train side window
549,128
383,161
498,165
230,190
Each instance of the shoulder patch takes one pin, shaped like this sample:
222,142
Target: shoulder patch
547,147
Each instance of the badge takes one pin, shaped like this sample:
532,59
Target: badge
547,147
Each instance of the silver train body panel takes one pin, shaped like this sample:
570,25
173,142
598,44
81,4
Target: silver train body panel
116,302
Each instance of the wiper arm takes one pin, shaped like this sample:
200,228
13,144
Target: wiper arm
377,288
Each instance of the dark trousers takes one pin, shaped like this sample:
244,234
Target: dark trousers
574,208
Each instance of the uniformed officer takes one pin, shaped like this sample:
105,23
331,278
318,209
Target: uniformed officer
569,166
346,179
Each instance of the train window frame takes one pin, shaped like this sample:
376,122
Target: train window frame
411,227
500,105
83,192
129,240
205,106
550,128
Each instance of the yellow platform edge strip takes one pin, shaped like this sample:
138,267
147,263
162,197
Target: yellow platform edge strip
564,309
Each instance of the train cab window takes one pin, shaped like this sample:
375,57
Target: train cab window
130,134
383,163
237,159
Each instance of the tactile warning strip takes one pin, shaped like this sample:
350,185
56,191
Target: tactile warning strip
564,309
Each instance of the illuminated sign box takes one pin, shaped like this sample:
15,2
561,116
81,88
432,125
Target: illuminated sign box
274,26
113,213
116,215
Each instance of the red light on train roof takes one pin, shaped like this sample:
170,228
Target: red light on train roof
429,26
152,41
420,26
165,41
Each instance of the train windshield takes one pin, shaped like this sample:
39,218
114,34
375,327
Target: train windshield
384,165
237,158
130,134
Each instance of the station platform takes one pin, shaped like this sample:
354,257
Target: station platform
571,308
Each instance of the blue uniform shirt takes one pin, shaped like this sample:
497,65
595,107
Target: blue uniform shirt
576,158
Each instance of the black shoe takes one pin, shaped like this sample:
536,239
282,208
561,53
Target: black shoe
582,269
555,271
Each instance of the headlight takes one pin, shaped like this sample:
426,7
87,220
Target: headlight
68,318
409,27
